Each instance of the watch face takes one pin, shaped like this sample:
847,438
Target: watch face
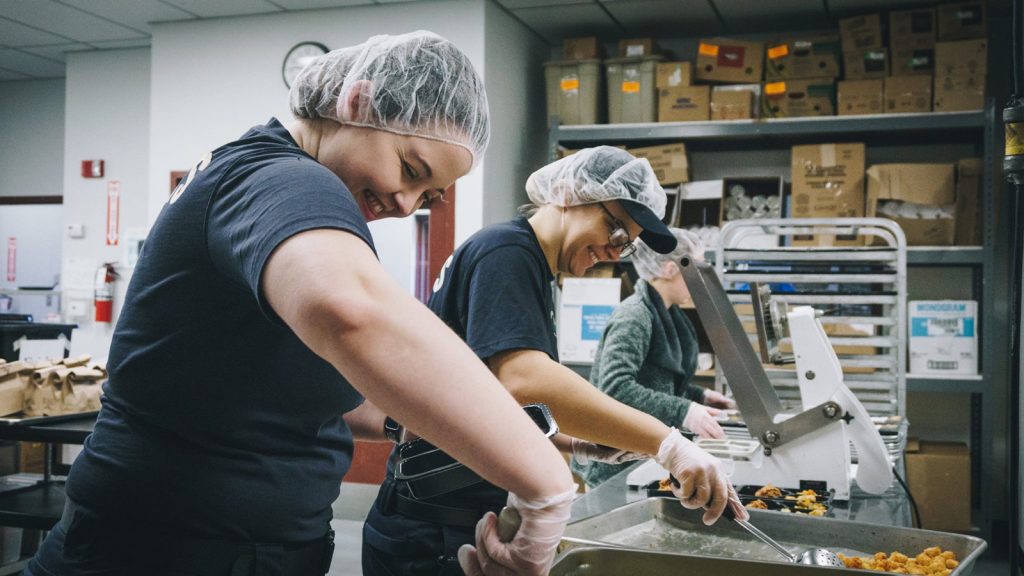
298,58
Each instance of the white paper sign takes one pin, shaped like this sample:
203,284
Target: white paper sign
584,310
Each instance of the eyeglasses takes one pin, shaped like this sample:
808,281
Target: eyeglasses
619,237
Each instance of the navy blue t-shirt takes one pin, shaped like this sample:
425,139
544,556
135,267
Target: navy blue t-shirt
217,421
495,293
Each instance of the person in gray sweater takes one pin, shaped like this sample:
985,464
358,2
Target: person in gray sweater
648,353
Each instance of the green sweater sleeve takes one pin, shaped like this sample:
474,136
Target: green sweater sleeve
695,393
625,345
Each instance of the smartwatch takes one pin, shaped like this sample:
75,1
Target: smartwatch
393,430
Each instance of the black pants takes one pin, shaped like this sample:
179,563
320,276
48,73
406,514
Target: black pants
85,543
398,545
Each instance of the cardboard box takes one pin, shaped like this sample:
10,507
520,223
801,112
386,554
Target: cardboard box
908,94
860,97
943,336
813,57
585,48
861,32
794,98
672,74
963,57
668,161
968,202
866,64
939,477
735,102
635,47
912,28
730,61
584,308
961,20
828,180
910,61
684,103
699,204
959,92
924,184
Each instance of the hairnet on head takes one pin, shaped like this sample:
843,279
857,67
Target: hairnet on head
418,84
650,265
602,174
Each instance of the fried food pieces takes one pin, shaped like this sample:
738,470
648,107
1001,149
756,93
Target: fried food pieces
768,491
932,562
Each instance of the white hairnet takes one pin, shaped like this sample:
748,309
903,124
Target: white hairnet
597,175
419,84
601,174
650,265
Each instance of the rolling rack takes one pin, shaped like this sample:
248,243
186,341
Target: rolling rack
861,292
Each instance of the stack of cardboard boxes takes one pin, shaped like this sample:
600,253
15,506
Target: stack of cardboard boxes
800,77
960,57
866,63
574,84
731,71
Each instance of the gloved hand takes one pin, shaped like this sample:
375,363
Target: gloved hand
532,549
702,482
586,452
717,399
701,421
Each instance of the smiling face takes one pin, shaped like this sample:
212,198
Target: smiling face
391,175
586,235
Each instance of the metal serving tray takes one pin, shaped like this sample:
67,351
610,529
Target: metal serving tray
612,562
663,525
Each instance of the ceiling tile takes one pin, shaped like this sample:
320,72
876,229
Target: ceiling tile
517,4
14,34
6,75
56,52
129,43
136,14
556,23
63,20
843,8
745,17
313,4
676,18
30,64
207,9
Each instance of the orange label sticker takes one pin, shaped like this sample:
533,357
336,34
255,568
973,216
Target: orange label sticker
778,51
569,84
774,88
630,87
707,49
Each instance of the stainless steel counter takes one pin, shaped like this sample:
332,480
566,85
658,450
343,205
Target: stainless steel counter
891,508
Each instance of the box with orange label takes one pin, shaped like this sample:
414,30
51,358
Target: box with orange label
731,61
632,94
814,57
574,91
795,98
684,103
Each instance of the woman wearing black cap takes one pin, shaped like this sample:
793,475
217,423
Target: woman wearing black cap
495,292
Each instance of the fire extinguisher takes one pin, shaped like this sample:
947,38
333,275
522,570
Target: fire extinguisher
104,295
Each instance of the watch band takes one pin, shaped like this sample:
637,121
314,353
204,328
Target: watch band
393,430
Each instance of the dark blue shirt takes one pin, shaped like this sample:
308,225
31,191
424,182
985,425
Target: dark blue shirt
217,421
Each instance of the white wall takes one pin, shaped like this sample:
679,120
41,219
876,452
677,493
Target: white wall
107,117
514,79
212,80
32,129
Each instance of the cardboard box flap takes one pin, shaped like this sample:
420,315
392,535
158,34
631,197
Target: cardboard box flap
930,184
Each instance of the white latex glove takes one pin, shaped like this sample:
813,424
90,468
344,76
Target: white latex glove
702,482
717,399
586,452
531,551
701,421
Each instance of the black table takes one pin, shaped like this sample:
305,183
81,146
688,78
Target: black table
39,503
